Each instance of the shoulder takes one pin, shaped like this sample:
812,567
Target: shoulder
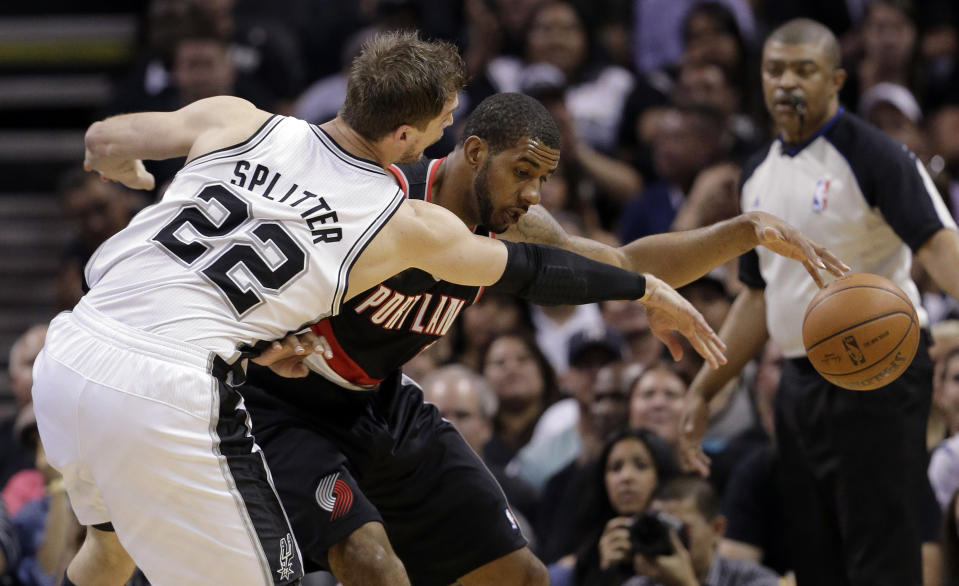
413,177
734,570
865,147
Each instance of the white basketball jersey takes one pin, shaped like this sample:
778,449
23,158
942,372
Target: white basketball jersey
249,243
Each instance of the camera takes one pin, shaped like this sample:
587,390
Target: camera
649,533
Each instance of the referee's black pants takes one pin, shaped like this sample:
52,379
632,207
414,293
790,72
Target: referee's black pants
854,475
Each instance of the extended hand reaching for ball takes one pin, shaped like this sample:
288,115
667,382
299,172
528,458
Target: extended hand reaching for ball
783,239
668,311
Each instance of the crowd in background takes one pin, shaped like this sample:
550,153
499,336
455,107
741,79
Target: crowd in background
576,410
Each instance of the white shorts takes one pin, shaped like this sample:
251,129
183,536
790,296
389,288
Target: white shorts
149,440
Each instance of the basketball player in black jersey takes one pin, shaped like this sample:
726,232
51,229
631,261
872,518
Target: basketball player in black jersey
363,466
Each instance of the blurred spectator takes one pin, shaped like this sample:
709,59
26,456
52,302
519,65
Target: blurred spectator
571,430
629,318
48,532
262,54
656,402
15,457
556,325
664,29
620,485
950,542
692,501
9,547
944,463
686,141
943,129
746,475
946,395
889,49
525,385
491,315
596,91
324,98
893,109
611,177
466,400
703,82
98,209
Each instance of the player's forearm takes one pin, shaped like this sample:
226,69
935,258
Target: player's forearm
940,257
144,135
682,257
547,275
744,332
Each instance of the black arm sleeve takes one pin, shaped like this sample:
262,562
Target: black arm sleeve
547,275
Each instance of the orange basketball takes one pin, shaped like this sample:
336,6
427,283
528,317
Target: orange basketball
860,332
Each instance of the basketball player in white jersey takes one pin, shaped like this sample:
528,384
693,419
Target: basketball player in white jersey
270,225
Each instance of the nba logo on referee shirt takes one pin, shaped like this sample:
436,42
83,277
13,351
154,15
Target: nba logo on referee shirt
334,495
819,195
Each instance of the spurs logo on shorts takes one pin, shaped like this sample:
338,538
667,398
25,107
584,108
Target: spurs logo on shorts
334,495
286,558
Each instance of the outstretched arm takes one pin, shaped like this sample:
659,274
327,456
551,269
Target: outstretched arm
432,239
116,147
681,257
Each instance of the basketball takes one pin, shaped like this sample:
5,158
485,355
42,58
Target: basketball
860,332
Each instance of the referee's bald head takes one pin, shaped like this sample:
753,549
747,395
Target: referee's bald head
803,31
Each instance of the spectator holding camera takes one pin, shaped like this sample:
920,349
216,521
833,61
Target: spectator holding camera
630,467
678,547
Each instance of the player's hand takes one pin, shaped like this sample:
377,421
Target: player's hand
285,357
692,427
668,311
129,172
614,544
781,238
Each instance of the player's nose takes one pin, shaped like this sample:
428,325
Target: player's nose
530,194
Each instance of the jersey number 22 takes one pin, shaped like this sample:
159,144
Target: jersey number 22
225,271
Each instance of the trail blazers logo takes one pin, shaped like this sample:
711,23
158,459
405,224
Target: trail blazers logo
334,495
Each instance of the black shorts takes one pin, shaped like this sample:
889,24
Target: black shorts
853,465
342,458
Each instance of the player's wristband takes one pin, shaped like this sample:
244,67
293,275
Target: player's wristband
547,275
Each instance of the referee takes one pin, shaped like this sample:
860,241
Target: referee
853,462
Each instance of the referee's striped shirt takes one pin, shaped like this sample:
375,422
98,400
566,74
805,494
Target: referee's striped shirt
852,189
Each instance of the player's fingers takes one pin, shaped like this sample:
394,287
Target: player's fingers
293,341
323,346
814,273
833,263
308,339
675,348
701,345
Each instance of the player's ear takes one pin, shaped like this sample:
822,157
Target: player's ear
403,133
475,150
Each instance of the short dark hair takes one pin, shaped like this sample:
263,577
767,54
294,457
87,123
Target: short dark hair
690,487
502,120
800,31
400,79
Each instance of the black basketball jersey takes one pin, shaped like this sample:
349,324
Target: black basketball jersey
379,330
